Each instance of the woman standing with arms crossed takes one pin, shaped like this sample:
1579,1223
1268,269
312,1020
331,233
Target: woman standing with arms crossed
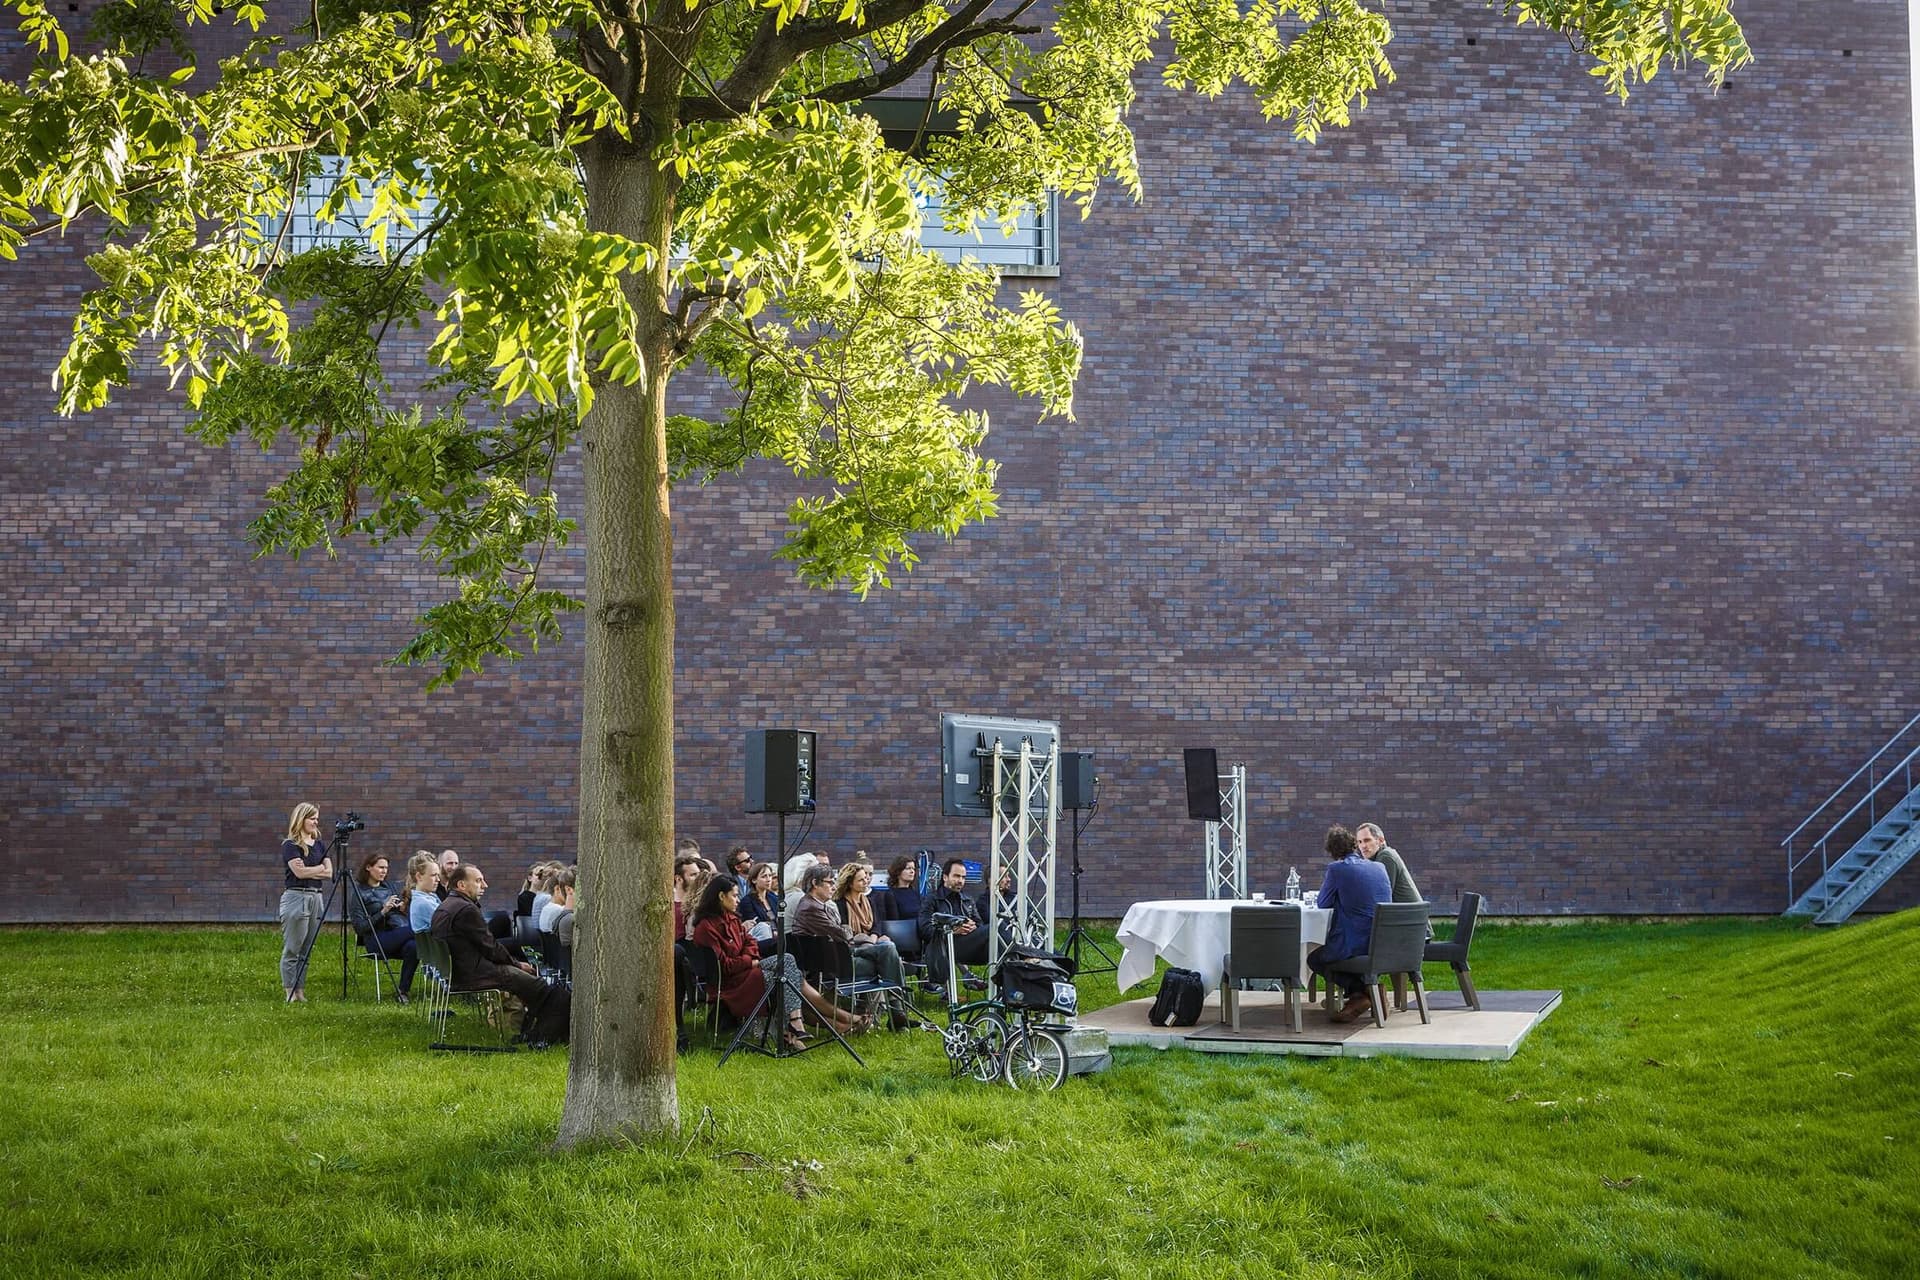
304,859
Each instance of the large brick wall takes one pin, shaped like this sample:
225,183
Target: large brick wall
1525,471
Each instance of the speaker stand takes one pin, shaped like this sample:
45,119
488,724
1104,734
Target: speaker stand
772,1040
1078,939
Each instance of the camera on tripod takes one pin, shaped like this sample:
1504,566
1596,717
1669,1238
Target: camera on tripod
348,825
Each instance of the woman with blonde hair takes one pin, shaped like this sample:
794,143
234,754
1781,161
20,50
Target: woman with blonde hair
422,893
307,868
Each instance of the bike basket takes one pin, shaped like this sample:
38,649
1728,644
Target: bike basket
1038,986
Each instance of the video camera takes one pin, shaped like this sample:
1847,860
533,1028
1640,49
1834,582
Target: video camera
348,825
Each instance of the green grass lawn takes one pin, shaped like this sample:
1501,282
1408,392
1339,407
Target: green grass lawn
1717,1099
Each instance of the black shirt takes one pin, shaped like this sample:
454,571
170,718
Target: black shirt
290,852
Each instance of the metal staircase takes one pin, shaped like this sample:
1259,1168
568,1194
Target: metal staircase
1878,829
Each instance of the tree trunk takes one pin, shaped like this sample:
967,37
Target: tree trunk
620,1076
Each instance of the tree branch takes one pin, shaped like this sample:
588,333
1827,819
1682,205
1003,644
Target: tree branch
775,48
866,86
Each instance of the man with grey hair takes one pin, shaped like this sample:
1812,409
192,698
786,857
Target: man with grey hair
1373,845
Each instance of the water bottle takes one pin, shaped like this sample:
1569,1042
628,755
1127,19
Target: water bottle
1293,884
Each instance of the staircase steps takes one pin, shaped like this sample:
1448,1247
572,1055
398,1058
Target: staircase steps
1851,879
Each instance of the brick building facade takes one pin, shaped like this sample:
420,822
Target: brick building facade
1525,471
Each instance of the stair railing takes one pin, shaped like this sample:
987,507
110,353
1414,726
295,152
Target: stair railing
1876,782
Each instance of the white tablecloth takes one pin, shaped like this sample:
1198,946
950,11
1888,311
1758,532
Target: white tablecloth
1192,934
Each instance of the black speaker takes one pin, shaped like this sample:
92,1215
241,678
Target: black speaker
1076,779
780,771
1203,783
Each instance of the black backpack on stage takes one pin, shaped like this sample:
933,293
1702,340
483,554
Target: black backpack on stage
1179,1001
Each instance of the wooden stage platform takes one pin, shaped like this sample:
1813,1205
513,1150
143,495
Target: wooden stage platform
1492,1034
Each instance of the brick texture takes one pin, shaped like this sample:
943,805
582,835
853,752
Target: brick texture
1527,472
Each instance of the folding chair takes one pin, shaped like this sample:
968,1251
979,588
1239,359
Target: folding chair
487,1006
707,980
847,982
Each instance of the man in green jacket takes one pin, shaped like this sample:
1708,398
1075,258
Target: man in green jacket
1373,844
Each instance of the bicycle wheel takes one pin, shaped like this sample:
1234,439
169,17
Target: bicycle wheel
1036,1059
989,1047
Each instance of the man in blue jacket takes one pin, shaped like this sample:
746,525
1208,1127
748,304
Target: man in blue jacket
1352,888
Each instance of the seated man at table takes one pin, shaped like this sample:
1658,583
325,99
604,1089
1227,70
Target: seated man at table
1352,888
1373,846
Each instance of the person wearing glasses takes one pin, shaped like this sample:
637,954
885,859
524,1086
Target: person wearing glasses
740,867
307,868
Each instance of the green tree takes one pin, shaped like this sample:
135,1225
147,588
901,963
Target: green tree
586,196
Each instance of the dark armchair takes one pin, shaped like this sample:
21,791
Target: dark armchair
1454,950
1263,944
1397,946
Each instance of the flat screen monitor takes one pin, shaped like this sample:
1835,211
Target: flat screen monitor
966,777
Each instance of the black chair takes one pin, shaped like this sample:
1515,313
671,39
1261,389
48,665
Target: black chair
1454,950
1397,945
556,958
1263,944
905,935
814,956
706,986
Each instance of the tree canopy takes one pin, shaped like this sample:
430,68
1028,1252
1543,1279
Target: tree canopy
579,197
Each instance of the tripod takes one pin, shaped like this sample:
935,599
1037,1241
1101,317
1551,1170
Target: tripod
772,1040
1078,939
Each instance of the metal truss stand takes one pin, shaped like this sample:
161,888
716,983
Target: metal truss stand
1227,839
1026,790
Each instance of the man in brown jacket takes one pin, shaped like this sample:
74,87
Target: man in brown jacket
479,961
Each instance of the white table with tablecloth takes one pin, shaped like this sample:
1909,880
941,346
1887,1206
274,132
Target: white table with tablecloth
1192,933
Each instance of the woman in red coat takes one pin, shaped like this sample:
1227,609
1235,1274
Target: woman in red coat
744,972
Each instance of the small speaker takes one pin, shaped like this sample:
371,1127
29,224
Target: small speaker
780,771
1076,779
1203,784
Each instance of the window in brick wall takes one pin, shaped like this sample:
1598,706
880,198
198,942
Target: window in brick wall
350,226
1032,249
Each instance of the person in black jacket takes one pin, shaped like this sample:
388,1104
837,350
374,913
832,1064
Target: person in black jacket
952,899
479,961
380,918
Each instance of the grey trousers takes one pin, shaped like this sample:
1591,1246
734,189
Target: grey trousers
877,958
300,920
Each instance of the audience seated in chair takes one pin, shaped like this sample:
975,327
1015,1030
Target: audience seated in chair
422,893
744,973
902,895
969,938
758,905
849,918
380,919
480,962
559,898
